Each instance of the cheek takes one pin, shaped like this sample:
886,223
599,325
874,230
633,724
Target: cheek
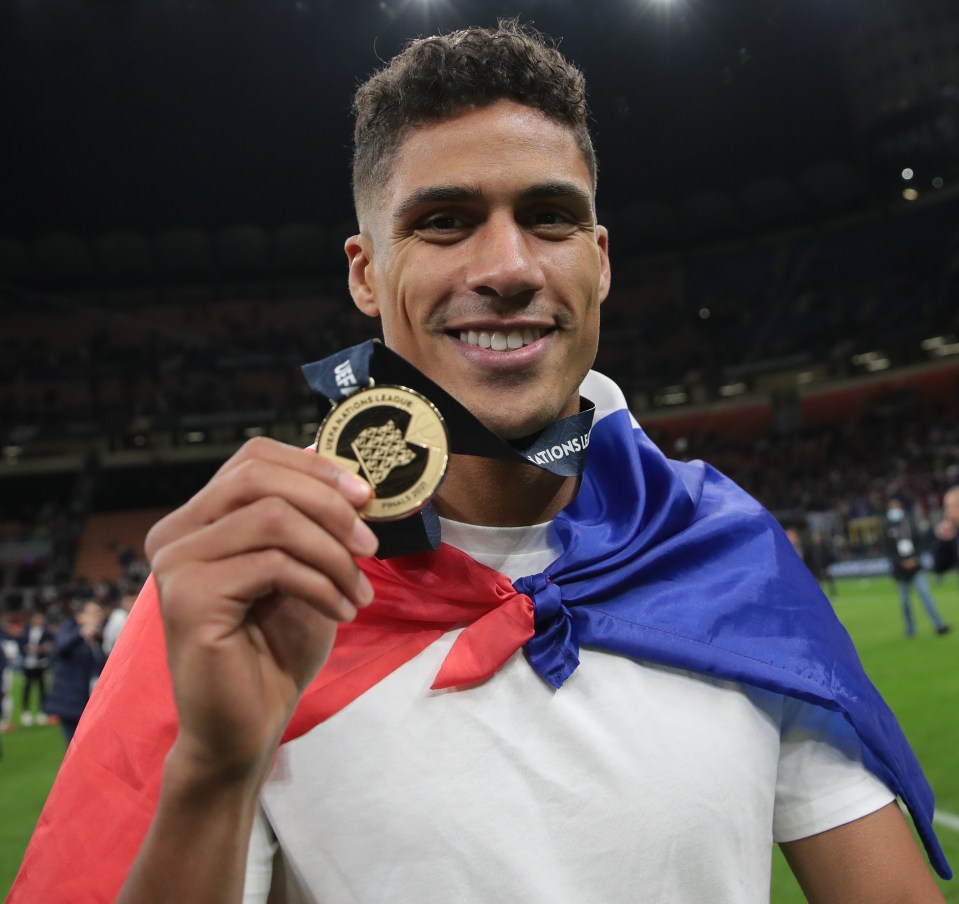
394,316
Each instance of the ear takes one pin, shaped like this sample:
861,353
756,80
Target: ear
602,242
359,252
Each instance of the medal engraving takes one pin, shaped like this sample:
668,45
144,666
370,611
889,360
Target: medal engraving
396,440
379,450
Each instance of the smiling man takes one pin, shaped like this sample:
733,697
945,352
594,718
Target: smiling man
615,685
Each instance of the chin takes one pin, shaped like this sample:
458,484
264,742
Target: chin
515,428
524,417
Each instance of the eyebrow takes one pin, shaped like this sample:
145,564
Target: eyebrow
467,193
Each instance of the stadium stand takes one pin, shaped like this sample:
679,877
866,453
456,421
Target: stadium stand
817,368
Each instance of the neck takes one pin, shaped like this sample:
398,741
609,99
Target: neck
502,493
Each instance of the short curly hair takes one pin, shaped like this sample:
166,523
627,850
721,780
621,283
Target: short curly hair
434,78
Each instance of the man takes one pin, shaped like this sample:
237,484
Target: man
6,676
428,761
819,556
946,550
902,548
77,659
116,620
36,644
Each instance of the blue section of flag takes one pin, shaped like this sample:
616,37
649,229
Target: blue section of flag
676,564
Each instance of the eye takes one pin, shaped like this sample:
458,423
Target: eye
548,218
551,222
440,222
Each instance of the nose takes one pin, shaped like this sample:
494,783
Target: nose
502,261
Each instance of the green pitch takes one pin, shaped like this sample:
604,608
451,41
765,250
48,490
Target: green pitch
919,678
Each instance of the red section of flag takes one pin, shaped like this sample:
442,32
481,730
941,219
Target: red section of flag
106,791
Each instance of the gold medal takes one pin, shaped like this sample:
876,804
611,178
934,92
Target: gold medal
396,440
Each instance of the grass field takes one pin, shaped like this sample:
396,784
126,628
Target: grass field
918,677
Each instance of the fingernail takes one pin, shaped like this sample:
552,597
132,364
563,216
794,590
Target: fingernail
347,610
364,540
355,488
364,590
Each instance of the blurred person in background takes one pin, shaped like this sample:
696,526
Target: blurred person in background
946,549
902,540
818,557
78,658
8,651
36,646
816,553
116,620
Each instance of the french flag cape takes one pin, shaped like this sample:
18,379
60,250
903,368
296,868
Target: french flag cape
663,561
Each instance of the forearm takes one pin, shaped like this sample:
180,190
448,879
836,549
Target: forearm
196,848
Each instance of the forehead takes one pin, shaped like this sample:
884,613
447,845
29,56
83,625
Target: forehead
501,147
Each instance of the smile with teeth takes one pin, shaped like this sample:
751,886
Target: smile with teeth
499,341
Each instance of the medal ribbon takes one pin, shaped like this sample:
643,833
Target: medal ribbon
559,448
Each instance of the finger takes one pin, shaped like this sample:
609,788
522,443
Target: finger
254,478
353,487
301,650
206,603
271,523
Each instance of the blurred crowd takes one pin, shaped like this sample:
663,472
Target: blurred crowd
59,644
69,370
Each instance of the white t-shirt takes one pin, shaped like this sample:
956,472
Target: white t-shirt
632,782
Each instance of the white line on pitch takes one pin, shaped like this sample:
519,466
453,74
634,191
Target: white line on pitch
949,820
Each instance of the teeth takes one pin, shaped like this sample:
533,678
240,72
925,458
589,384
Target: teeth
499,341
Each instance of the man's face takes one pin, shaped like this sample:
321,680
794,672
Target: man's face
484,261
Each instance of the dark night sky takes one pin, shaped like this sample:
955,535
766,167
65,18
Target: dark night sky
155,114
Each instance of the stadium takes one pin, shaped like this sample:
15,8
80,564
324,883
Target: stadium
780,181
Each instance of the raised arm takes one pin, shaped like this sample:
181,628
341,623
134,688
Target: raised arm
254,573
873,860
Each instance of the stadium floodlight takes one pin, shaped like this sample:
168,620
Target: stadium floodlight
907,174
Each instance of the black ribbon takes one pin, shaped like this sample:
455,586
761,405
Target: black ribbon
559,448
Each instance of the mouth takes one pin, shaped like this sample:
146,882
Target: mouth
502,340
